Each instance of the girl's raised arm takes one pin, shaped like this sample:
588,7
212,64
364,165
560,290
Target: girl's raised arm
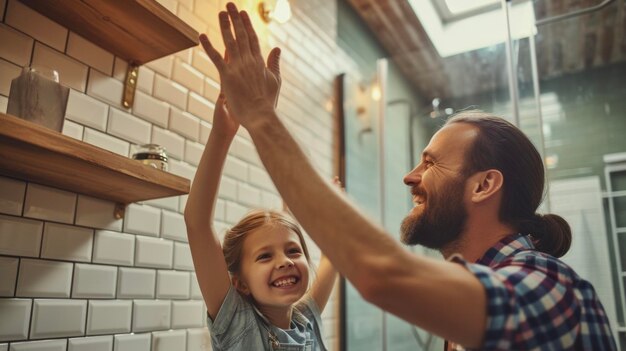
206,250
324,283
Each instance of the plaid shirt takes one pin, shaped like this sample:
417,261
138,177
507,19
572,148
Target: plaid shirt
536,302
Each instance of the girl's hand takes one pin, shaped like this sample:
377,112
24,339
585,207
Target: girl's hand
223,122
251,84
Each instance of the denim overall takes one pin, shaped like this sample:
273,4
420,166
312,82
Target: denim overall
240,326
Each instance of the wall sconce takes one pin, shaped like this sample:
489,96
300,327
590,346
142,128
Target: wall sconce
281,12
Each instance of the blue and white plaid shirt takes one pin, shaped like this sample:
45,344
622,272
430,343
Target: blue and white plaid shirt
537,302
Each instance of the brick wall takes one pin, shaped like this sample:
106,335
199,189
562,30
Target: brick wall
75,278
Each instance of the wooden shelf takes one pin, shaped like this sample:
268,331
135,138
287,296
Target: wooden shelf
138,31
34,153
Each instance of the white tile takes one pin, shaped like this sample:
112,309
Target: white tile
205,130
187,76
47,345
185,13
203,63
8,72
36,25
19,52
8,272
128,127
234,212
73,130
173,226
236,168
171,5
182,203
168,203
174,144
193,152
220,210
142,219
41,278
249,195
87,111
153,252
196,294
270,200
182,257
169,340
96,213
94,281
58,318
65,242
3,347
15,319
51,204
184,124
151,109
187,314
71,72
136,283
145,79
162,65
182,169
113,248
12,198
4,102
89,53
170,91
198,340
109,316
228,188
201,107
105,88
106,142
172,285
120,68
94,343
20,236
244,149
151,315
132,342
259,177
211,90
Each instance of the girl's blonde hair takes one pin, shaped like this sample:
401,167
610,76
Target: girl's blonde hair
233,239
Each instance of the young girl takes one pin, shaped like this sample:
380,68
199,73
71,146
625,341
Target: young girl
256,286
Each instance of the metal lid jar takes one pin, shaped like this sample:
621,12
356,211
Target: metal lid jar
153,155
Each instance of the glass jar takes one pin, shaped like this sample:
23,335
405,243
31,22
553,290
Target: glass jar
153,155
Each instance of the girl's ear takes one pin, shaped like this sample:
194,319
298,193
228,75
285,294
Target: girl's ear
240,285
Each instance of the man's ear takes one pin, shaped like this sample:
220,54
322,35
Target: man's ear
486,184
240,285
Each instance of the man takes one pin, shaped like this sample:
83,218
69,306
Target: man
475,191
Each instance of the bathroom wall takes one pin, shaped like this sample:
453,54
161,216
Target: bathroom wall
72,277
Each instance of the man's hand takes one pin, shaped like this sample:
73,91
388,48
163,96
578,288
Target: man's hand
251,87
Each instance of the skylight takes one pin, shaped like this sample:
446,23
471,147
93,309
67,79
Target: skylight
457,7
478,30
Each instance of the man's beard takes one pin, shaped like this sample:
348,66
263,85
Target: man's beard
442,220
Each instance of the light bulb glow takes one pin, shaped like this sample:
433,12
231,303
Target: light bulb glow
282,11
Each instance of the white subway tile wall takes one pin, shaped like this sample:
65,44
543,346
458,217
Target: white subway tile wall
132,342
42,278
73,273
94,281
8,272
13,192
46,323
136,283
94,343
